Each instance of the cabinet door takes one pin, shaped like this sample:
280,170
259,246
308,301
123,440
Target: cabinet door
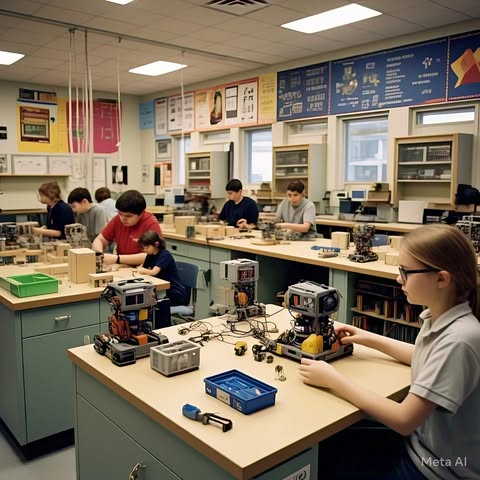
49,380
104,451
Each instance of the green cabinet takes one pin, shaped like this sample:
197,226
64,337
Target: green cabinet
36,398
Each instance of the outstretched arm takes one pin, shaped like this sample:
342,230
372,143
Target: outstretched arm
402,417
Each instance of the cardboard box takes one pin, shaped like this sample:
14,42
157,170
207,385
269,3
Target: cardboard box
181,223
395,241
391,259
341,240
209,231
81,262
96,280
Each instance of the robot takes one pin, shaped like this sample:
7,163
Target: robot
313,334
470,226
130,336
243,274
362,238
76,235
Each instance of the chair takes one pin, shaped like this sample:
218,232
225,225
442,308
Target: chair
379,239
188,274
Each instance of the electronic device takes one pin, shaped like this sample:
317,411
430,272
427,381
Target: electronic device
313,334
358,194
243,273
336,196
363,234
130,335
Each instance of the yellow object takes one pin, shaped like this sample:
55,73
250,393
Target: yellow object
143,314
313,344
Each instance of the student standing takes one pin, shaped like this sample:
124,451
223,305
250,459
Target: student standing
160,263
59,213
239,211
125,229
103,198
441,414
92,216
296,212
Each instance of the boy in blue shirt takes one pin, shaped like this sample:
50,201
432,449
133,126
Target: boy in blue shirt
239,211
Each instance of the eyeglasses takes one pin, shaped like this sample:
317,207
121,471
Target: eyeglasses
405,272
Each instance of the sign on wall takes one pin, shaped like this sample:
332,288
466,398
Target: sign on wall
410,75
180,113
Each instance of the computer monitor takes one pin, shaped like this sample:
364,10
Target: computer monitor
358,194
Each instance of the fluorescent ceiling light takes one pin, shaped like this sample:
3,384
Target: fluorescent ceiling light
7,58
157,68
332,18
120,2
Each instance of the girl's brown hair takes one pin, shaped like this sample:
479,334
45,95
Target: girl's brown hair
447,248
51,190
151,238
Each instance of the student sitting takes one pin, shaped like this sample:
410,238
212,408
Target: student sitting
103,198
87,213
239,211
59,213
160,263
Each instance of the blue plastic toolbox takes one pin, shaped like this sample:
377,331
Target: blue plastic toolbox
242,392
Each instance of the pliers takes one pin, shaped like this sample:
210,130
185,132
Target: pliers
194,413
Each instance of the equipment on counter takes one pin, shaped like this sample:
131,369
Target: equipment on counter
313,335
243,274
362,238
76,235
130,336
194,413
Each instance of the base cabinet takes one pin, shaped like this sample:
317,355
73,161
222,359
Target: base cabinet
36,397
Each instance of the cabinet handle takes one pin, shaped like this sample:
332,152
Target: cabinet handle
135,471
173,247
62,318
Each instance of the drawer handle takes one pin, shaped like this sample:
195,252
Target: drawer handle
173,247
135,471
62,318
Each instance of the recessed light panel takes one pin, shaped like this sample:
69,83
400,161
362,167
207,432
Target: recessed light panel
333,18
157,68
7,58
120,2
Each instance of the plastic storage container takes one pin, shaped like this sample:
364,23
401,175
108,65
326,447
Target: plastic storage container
242,392
176,357
30,284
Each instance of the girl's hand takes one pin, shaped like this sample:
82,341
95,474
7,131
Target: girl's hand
143,271
349,334
318,373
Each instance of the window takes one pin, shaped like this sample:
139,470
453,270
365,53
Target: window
447,115
183,145
258,146
366,149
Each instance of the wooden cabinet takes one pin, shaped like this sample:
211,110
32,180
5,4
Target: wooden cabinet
206,173
381,307
36,398
430,167
307,163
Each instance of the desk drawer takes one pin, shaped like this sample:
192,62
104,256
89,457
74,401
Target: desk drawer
62,317
178,248
218,255
198,252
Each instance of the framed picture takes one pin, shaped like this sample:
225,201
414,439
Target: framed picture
163,149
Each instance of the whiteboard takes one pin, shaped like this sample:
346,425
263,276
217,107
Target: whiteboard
59,165
29,165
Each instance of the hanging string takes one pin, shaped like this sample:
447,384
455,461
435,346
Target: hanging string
119,109
70,61
182,93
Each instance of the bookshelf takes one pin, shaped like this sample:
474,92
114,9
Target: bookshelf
430,167
382,308
206,173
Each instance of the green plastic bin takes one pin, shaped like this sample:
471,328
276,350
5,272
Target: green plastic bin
30,284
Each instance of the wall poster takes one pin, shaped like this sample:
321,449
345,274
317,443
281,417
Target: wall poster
180,113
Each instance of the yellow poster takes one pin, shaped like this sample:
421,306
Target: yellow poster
42,127
267,98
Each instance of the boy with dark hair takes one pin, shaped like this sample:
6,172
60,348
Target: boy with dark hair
86,212
296,212
239,211
104,198
126,228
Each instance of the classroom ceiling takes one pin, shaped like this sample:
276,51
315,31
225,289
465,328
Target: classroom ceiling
243,35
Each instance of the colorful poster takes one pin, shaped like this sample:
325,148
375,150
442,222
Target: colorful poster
42,127
146,115
181,113
234,104
267,98
161,117
303,92
105,127
410,75
464,67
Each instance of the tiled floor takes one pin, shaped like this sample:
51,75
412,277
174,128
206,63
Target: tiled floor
55,466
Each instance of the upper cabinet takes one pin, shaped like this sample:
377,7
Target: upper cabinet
206,173
430,167
307,163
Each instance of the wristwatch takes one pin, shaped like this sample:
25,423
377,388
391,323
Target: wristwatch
118,258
